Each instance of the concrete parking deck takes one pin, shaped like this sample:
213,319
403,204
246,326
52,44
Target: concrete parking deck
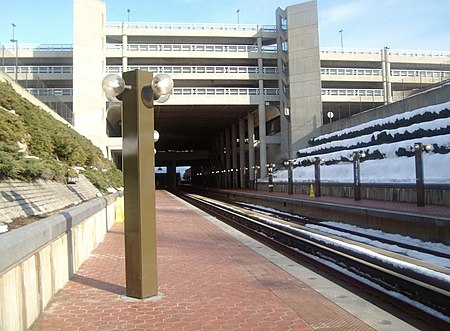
210,278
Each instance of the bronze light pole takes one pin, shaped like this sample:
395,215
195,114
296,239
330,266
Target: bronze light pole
357,156
317,162
138,90
289,164
270,168
419,148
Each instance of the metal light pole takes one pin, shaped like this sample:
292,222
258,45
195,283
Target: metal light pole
342,39
317,162
420,186
290,166
357,174
256,167
14,40
139,175
270,167
237,12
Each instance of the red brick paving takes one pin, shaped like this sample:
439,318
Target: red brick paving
208,281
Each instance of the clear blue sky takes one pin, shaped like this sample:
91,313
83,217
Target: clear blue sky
398,24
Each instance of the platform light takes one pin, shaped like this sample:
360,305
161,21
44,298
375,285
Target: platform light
357,156
113,85
137,101
419,148
162,85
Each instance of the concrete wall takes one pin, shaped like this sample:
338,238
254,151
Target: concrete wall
304,73
88,63
434,96
21,200
405,193
38,259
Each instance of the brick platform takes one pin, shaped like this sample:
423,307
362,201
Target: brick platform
208,280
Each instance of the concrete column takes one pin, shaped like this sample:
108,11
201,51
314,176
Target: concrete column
388,75
124,52
222,158
242,152
251,150
228,157
234,155
262,138
386,72
172,176
219,165
260,68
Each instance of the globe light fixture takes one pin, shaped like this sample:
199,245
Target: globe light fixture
155,135
162,84
113,85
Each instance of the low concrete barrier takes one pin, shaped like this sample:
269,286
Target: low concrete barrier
438,195
38,259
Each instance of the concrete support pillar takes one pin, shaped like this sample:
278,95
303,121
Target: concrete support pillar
242,152
262,138
234,155
251,150
260,68
172,176
386,71
124,56
228,157
222,158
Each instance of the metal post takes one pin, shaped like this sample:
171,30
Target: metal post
356,176
317,162
257,167
270,167
420,187
270,181
290,187
139,181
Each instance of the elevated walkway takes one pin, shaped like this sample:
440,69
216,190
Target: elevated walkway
210,278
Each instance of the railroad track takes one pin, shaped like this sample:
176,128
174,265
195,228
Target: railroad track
413,286
365,236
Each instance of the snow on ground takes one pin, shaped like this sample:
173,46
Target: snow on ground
391,169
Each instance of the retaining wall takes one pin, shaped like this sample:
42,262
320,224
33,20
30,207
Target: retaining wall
439,196
19,200
38,259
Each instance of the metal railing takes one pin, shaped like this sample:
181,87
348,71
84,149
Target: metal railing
350,72
415,53
40,47
40,92
223,91
353,92
420,73
196,69
347,51
393,52
189,26
176,91
192,48
39,69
